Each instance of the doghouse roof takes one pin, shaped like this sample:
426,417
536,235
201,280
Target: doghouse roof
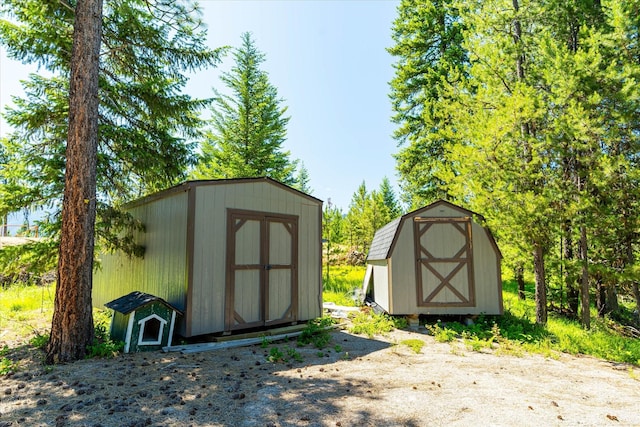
133,301
386,236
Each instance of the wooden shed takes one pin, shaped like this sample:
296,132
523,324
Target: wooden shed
143,322
230,254
435,260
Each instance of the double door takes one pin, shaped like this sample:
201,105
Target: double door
262,279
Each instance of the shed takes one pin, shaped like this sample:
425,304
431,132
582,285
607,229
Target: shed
142,321
230,254
435,260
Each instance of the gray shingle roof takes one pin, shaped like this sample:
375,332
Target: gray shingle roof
382,240
126,304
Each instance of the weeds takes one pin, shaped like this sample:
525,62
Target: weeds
39,341
316,333
414,344
7,366
367,322
103,345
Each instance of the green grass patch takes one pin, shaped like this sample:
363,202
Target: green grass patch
103,346
22,297
338,298
367,322
341,282
516,332
414,344
317,333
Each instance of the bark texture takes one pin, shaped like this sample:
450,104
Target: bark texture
541,286
72,325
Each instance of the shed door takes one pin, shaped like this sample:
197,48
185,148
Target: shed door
444,262
262,279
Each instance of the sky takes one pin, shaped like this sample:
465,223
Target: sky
328,61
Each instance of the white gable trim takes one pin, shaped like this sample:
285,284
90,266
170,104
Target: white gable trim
127,340
173,321
143,323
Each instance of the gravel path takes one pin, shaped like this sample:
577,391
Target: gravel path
355,382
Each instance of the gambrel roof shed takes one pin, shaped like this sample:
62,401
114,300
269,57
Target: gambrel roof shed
230,254
439,259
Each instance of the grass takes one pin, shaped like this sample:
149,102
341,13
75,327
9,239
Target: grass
25,317
26,311
369,323
340,284
516,332
414,344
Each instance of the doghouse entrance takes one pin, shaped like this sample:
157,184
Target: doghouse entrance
444,262
262,280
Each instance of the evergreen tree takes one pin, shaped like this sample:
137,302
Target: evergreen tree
539,135
356,218
146,125
430,57
302,179
72,324
249,124
389,199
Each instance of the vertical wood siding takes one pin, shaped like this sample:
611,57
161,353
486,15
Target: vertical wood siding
177,258
403,295
209,257
162,271
381,271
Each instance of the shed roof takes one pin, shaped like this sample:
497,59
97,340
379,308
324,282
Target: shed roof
386,236
188,185
383,239
133,301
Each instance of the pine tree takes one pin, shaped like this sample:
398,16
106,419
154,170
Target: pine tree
428,38
72,324
249,124
542,138
147,126
302,179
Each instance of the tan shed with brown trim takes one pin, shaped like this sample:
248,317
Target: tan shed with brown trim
436,260
230,254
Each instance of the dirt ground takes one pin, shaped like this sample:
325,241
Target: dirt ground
354,382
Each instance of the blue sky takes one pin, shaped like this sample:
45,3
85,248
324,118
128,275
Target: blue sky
328,61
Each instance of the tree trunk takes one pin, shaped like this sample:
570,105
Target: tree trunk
573,295
541,287
72,325
636,294
601,296
586,315
634,282
520,281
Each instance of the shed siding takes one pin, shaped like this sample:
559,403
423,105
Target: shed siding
487,278
403,271
401,283
162,271
209,256
174,252
381,284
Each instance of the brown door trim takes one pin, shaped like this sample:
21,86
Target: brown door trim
462,258
236,218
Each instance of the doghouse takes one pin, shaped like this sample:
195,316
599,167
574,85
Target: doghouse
230,254
142,321
435,260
